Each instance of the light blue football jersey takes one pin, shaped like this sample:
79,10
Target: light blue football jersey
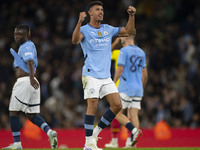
27,51
134,60
96,46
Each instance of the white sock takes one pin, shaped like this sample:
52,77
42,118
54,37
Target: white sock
17,143
128,140
134,130
114,140
96,131
48,132
88,140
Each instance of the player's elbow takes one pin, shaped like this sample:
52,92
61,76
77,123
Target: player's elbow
130,33
74,41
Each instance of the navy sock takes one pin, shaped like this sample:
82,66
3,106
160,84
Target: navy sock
89,125
129,126
39,121
106,119
15,127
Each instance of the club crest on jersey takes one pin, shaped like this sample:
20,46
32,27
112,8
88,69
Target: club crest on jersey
105,33
99,34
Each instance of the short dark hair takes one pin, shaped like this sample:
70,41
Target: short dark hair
26,28
95,3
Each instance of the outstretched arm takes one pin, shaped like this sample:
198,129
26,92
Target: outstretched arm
130,26
77,36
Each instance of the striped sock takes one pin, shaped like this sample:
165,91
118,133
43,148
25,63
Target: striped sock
105,121
39,121
89,125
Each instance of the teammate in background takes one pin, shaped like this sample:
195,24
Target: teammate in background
133,76
115,124
26,91
95,39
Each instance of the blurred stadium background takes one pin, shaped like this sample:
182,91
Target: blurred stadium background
168,31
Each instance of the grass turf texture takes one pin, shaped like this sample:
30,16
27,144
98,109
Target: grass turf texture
182,148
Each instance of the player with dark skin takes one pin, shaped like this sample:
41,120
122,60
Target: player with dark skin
26,90
20,37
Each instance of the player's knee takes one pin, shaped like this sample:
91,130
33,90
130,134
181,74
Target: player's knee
92,106
117,107
14,113
30,116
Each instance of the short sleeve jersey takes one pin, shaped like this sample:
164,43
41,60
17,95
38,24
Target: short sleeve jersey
96,46
134,60
27,51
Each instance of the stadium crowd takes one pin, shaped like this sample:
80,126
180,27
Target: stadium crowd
167,30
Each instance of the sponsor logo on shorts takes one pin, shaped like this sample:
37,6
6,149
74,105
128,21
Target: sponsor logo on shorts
92,91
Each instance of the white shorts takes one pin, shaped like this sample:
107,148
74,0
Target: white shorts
95,88
130,101
24,97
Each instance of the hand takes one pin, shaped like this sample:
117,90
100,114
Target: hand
82,16
131,10
118,40
34,83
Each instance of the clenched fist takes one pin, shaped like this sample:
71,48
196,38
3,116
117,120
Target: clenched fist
82,16
131,10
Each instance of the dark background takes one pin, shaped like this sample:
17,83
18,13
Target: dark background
167,30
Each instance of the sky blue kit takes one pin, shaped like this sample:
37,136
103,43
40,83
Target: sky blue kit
96,46
27,51
134,60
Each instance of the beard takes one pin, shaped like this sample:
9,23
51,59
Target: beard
100,21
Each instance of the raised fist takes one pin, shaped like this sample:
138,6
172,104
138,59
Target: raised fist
131,10
82,16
